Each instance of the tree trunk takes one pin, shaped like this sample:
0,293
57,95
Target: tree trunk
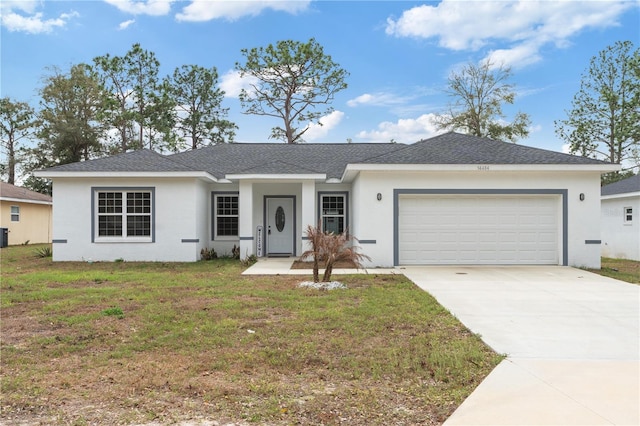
12,161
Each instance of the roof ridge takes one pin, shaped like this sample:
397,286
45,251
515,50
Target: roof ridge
279,162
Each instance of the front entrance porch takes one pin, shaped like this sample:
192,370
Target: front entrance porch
273,215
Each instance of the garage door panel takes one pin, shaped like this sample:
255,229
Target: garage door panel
478,229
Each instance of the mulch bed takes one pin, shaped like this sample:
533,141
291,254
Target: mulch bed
309,265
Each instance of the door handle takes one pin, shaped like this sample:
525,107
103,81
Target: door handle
269,230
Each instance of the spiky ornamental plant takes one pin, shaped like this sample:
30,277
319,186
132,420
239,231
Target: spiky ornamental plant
330,248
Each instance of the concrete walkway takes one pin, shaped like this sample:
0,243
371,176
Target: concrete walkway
572,340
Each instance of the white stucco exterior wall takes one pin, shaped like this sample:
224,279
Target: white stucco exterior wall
620,238
175,220
373,219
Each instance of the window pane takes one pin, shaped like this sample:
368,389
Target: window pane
227,205
109,226
333,224
138,226
333,205
227,226
139,202
109,202
15,213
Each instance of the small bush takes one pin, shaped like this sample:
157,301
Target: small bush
249,260
208,254
235,252
43,252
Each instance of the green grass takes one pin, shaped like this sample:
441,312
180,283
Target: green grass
620,269
170,342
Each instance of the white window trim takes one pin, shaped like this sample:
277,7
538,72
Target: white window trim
627,218
15,214
214,215
124,238
345,213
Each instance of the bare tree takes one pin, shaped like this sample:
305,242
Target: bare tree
478,93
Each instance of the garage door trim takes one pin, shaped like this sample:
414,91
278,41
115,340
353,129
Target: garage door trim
398,192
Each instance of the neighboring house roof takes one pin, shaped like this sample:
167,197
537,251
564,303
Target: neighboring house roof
624,186
326,159
10,192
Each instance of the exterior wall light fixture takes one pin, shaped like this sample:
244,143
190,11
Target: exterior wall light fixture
379,196
582,196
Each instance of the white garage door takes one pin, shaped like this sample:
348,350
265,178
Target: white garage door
478,229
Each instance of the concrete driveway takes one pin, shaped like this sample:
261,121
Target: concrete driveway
572,340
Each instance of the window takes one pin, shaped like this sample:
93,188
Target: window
333,212
226,216
15,213
124,214
628,215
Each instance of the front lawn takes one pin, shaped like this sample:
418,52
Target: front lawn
620,269
124,343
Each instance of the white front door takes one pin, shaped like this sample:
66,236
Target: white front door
280,226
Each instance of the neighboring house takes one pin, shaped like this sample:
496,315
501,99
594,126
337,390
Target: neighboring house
620,225
26,214
451,199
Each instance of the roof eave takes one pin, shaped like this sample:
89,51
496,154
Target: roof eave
603,167
278,177
113,174
25,200
621,195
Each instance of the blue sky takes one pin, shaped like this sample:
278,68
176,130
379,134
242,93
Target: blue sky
398,53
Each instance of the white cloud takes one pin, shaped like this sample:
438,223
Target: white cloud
207,10
143,7
27,6
22,16
377,99
232,83
525,26
329,122
403,131
124,25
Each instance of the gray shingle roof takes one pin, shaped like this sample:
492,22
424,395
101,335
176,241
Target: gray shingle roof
239,158
143,160
624,186
457,148
332,159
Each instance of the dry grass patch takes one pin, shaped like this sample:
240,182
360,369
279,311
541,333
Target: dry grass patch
199,341
620,269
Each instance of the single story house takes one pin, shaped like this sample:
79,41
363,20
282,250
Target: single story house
620,221
450,199
27,215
